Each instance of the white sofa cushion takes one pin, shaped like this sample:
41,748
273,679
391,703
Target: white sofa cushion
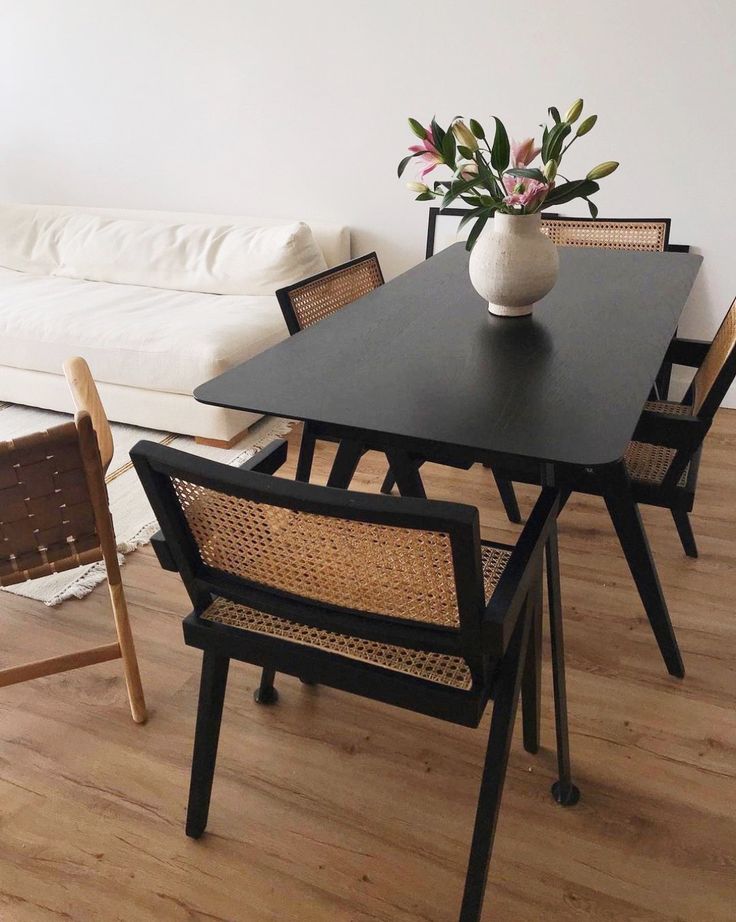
29,238
213,259
140,337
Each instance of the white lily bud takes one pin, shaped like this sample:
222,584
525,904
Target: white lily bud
419,187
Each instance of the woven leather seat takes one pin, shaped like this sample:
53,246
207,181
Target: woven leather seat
434,667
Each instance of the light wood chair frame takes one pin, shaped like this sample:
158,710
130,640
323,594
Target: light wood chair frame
93,433
500,639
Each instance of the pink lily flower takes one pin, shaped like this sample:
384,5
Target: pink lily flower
430,157
523,152
524,192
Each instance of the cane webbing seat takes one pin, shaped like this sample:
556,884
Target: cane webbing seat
649,463
47,523
643,236
669,407
441,668
310,301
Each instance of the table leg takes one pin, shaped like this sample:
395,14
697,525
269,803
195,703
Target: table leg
405,469
626,520
346,461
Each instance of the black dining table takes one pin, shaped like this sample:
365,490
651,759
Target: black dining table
419,368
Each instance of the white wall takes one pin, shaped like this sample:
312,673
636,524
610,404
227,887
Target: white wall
299,108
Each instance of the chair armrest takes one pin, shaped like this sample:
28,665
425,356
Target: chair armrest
268,459
158,542
670,430
689,352
504,605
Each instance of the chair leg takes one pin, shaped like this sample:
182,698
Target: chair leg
494,771
531,686
389,482
125,637
685,531
306,454
563,790
508,498
209,715
266,693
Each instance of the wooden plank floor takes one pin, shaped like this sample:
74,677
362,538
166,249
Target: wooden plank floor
326,807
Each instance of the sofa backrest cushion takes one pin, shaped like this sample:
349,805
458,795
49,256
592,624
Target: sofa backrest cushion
211,258
225,260
29,238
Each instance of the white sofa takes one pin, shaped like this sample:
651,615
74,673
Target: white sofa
156,302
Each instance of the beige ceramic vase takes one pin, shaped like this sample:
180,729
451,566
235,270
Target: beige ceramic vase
513,264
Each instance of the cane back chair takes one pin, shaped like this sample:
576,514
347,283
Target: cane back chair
393,599
307,302
664,456
54,516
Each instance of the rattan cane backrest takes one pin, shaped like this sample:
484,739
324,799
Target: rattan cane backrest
310,301
47,522
382,569
646,236
717,372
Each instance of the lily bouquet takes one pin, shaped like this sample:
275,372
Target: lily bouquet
501,176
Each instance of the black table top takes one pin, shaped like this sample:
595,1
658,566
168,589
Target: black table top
421,358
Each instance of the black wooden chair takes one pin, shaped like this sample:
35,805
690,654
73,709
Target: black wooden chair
392,599
305,303
664,458
308,301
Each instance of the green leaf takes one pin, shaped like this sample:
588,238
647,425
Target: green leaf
448,149
593,208
477,129
501,150
475,232
470,216
527,173
424,197
438,134
465,152
405,161
457,189
553,111
555,139
419,130
580,188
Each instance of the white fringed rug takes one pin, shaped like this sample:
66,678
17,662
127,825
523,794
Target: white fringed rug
132,515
